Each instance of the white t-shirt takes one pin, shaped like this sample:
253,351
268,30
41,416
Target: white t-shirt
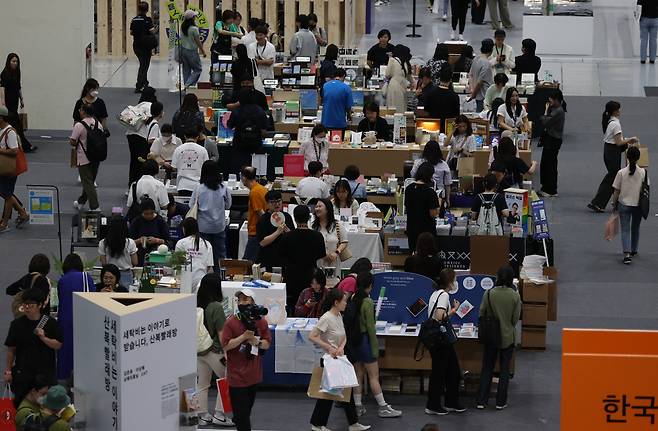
10,138
122,262
332,328
315,152
165,149
444,301
513,122
614,128
629,186
155,189
267,52
188,159
248,39
201,258
153,131
312,187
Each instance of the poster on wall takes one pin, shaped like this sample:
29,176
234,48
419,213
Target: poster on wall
469,291
401,297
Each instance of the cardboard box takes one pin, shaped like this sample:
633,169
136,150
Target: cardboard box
551,272
534,314
533,338
534,292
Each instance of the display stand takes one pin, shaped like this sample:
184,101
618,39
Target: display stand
44,214
413,24
135,355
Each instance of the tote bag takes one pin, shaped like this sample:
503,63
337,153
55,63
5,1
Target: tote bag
7,411
489,326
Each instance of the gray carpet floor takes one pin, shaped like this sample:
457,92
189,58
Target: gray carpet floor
595,289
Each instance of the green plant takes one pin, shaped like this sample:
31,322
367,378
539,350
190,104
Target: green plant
177,259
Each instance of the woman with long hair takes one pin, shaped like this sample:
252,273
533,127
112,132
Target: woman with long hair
210,314
446,373
626,200
188,116
335,238
507,153
343,198
10,80
438,61
462,143
89,96
309,303
190,45
116,248
328,64
153,122
433,155
241,69
614,145
212,199
425,260
398,72
512,116
366,348
199,251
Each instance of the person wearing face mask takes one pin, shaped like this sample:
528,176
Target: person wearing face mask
89,96
149,230
31,404
110,280
446,373
317,149
31,346
87,170
425,260
373,122
162,149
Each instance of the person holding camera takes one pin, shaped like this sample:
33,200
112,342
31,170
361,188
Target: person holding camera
309,303
245,338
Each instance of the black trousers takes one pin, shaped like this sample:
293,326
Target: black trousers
459,9
444,378
16,123
144,57
139,147
612,159
488,364
242,400
548,164
322,410
477,12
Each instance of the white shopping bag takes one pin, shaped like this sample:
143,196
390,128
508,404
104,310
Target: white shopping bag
338,373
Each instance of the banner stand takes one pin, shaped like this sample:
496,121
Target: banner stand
40,206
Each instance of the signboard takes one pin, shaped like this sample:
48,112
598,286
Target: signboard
404,297
609,380
41,207
470,291
455,252
540,220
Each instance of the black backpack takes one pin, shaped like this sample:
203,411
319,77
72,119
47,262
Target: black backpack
96,142
184,121
36,422
352,330
250,136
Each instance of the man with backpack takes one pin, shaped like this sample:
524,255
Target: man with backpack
248,122
89,143
149,186
489,208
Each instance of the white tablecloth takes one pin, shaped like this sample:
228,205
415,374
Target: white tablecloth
361,244
273,298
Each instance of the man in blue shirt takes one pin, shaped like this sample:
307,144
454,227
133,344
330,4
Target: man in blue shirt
336,102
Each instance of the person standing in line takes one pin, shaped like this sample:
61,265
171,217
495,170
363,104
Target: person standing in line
481,75
648,29
527,62
257,207
190,45
303,43
187,116
87,169
9,146
504,303
329,334
626,200
446,373
144,41
459,9
244,341
398,72
328,65
117,249
10,80
614,145
502,57
502,6
263,52
551,141
438,62
337,102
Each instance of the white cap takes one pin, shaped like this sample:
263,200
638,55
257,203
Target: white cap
190,14
247,292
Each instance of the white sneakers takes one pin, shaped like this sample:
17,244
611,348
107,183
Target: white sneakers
452,35
461,37
444,17
386,411
222,420
358,427
314,428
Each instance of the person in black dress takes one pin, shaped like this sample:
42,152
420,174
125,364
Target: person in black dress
10,79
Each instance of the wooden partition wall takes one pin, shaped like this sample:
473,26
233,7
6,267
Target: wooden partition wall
344,20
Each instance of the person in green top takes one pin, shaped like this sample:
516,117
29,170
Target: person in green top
54,403
505,304
367,350
190,45
31,405
225,29
209,297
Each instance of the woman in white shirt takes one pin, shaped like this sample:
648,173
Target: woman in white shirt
153,123
512,115
626,200
116,248
335,238
317,149
198,250
343,198
462,143
442,177
614,146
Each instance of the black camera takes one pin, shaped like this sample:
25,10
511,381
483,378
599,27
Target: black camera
317,296
252,312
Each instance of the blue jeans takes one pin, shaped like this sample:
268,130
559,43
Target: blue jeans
218,242
252,248
648,33
191,66
629,220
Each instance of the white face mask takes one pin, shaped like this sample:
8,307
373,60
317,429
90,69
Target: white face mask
94,93
40,400
166,139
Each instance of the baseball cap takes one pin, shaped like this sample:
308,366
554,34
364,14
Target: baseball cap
56,399
190,14
247,292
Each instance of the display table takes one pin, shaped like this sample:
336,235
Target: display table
362,244
574,20
273,298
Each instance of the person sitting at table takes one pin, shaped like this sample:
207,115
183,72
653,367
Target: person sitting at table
328,65
162,149
512,116
462,143
309,303
352,174
149,230
317,149
496,91
348,283
379,53
343,198
312,186
527,62
151,187
119,250
110,280
270,235
300,250
424,85
425,260
373,122
442,102
421,204
441,177
516,168
335,237
337,102
491,196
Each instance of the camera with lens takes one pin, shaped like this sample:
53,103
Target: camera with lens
249,314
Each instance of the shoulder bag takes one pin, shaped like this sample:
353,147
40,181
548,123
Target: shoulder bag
489,326
194,209
12,165
346,253
85,282
434,333
645,194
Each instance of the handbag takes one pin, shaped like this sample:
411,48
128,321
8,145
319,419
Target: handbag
645,194
611,226
194,209
7,411
8,163
434,333
345,254
489,326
